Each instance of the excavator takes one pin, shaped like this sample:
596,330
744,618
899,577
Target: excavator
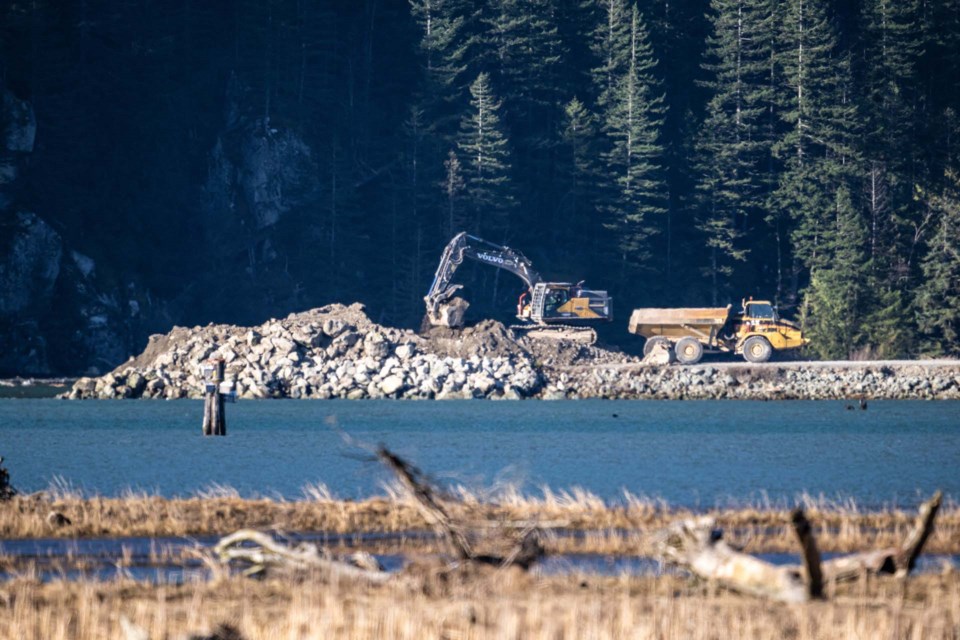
553,310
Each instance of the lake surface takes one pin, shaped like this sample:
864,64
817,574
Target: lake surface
700,453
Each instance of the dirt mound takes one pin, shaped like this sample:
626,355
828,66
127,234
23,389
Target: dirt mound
486,338
561,353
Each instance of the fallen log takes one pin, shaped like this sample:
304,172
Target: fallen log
698,546
262,552
898,561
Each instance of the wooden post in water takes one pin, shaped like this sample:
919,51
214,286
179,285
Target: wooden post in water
214,416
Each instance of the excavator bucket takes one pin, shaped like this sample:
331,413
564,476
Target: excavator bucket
449,314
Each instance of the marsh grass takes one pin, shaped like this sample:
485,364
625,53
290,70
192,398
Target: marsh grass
608,527
485,604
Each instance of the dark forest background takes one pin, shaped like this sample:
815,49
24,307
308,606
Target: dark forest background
231,161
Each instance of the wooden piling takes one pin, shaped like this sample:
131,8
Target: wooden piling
214,416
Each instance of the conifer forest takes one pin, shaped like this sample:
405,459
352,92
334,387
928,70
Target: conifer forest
193,161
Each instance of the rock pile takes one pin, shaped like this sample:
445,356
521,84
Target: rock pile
926,380
331,352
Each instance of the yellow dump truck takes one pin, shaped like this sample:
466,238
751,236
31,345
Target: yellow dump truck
756,331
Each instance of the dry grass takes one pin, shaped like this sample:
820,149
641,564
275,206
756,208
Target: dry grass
622,527
491,604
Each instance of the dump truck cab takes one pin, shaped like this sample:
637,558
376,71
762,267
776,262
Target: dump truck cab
759,331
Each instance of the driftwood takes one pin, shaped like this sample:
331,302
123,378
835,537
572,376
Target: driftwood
6,489
898,561
813,569
698,546
524,553
262,552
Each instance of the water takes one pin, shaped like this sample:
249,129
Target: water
699,454
162,559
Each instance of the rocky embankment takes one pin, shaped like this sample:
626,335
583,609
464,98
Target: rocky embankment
926,380
338,352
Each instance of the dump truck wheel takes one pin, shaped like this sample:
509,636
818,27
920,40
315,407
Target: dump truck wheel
757,349
652,342
688,351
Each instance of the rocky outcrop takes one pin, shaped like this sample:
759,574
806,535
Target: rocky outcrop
30,265
258,173
54,313
331,352
18,130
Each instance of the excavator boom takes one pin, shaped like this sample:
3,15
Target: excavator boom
544,303
463,245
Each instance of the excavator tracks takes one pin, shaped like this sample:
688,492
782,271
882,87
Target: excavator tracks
581,335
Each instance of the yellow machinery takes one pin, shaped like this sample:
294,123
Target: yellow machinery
555,310
755,332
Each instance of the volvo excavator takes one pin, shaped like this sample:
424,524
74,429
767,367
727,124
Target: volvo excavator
555,310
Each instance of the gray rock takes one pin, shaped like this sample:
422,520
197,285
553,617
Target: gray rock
375,346
405,351
137,383
391,385
333,327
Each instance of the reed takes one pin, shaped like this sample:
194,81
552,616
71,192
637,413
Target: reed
620,526
496,604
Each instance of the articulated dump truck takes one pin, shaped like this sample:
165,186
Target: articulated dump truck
756,331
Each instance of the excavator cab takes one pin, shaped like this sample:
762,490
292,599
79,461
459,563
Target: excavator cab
566,303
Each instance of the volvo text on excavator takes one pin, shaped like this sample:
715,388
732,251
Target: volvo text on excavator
555,310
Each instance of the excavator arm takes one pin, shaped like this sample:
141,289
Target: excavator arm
463,246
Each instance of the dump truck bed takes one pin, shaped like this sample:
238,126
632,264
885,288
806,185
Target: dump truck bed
677,323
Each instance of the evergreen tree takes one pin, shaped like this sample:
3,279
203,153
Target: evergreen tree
817,147
486,173
890,49
836,291
519,46
452,188
938,298
444,41
734,145
632,116
579,176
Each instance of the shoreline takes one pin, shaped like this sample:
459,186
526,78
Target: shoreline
338,352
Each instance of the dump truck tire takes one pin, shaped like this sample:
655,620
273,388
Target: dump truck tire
688,351
652,342
757,349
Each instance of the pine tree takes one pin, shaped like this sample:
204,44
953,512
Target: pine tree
443,47
835,296
579,176
632,115
734,143
817,149
452,188
486,173
890,52
519,47
938,298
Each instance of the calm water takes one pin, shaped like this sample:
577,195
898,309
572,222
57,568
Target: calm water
694,453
